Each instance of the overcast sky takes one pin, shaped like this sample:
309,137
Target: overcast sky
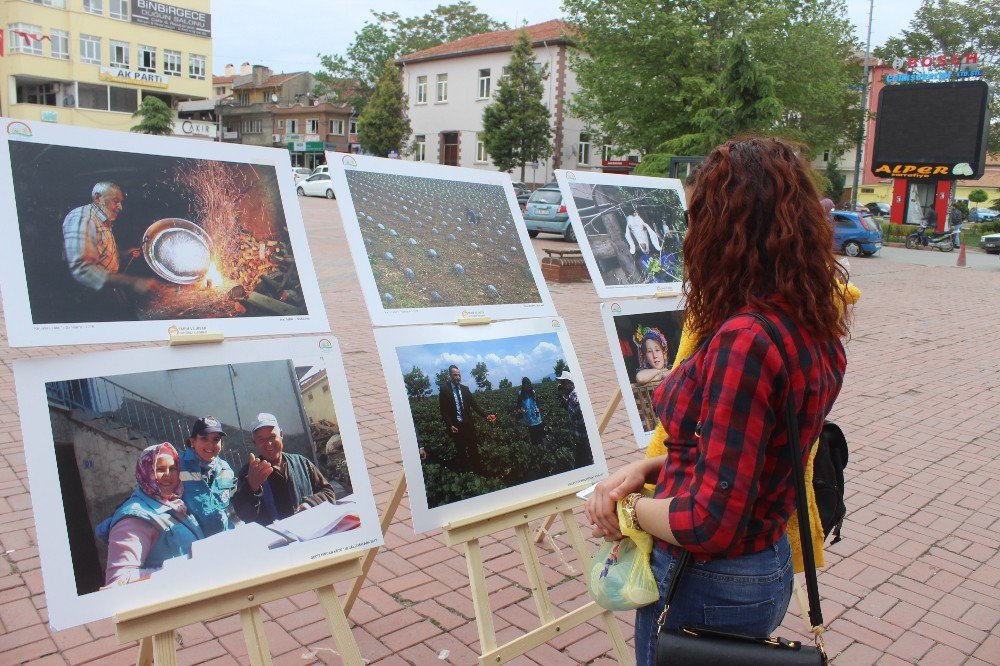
288,36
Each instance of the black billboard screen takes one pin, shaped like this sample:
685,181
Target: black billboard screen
933,128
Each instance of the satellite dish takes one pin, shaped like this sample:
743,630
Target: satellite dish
274,98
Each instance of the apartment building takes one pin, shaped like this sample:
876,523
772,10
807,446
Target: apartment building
91,62
448,87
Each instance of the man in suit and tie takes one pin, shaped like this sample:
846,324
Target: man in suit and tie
457,407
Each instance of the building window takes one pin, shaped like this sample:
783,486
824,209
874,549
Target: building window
26,38
94,7
281,124
354,127
60,44
421,90
90,49
244,99
481,155
337,127
58,4
583,154
171,62
420,148
484,83
442,87
124,100
147,59
119,52
119,10
196,66
826,155
90,96
251,127
312,126
37,93
606,152
293,126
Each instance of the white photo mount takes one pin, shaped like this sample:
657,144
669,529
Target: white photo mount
389,340
665,313
20,290
180,577
612,249
498,246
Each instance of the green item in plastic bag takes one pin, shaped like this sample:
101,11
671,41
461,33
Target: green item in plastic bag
620,575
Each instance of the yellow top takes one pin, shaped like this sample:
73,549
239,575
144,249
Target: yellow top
657,447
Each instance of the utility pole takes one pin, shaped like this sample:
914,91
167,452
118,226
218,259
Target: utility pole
864,112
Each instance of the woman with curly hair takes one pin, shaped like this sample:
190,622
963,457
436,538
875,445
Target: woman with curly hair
758,242
652,355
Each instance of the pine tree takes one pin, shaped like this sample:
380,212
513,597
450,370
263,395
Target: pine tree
516,127
383,125
155,117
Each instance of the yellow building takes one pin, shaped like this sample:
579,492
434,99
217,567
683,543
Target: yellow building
91,62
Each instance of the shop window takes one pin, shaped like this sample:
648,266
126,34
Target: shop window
90,96
124,100
44,94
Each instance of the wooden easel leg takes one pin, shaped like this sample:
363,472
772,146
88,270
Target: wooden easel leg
534,570
165,649
386,520
253,635
339,627
145,656
480,597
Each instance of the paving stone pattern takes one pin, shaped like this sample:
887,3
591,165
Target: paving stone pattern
914,581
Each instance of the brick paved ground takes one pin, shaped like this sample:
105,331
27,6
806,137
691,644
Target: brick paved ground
914,581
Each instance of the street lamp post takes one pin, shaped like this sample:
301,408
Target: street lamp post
864,112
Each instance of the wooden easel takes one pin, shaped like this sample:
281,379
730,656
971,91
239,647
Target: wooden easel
468,532
154,625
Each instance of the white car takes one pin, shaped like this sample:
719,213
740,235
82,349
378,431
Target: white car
990,243
317,185
300,173
322,168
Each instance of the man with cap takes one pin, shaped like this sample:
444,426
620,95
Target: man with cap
208,480
574,419
277,484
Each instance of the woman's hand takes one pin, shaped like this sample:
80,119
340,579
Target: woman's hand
602,505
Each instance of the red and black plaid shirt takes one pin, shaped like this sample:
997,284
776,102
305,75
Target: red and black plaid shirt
724,412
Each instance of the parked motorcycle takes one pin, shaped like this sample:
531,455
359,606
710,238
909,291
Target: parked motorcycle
945,241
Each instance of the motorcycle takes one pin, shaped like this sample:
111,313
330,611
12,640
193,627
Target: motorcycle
945,241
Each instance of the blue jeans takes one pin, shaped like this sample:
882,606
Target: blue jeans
746,595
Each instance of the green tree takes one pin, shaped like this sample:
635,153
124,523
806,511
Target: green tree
955,26
155,117
482,376
834,179
977,196
516,127
351,76
418,384
505,384
383,125
560,367
442,376
652,74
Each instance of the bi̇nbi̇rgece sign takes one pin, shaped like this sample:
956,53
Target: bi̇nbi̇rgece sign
933,131
170,17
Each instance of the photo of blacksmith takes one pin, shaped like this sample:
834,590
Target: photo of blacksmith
118,236
274,484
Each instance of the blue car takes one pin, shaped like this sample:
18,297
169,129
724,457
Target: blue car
856,234
547,212
983,215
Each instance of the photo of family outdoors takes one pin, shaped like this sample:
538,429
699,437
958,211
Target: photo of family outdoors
630,233
120,236
491,415
644,336
432,240
162,472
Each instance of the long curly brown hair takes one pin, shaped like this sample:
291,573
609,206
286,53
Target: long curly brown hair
756,229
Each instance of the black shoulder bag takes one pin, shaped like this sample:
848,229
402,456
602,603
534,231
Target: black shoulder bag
698,646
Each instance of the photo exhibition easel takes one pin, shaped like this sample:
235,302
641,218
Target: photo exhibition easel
154,625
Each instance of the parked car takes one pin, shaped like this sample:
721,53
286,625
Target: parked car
317,185
547,212
856,234
983,215
990,243
522,193
300,173
878,209
322,168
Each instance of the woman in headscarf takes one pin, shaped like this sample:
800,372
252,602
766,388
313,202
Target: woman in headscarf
153,524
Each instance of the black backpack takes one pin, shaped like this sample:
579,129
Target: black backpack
828,479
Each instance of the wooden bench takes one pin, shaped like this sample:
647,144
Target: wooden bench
564,266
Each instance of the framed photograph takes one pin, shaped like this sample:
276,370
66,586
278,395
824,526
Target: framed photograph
630,230
156,473
488,415
119,237
434,244
643,335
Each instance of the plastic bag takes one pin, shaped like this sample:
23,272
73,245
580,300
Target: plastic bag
620,575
